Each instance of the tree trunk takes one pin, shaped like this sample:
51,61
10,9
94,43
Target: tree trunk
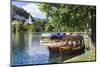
92,37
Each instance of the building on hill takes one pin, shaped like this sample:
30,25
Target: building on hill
19,18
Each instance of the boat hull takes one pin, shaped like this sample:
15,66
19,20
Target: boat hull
67,49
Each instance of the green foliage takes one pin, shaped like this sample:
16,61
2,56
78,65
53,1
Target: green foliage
17,27
28,27
88,56
37,26
61,18
49,27
68,17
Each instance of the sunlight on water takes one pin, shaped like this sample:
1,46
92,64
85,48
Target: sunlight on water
27,49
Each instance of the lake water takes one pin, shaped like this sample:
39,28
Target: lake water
26,49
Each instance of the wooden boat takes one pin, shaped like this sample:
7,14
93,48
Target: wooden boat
70,44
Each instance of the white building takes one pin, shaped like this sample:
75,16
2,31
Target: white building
29,20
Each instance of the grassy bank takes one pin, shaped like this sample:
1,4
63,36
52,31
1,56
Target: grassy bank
87,56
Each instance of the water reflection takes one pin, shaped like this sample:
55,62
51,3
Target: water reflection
26,49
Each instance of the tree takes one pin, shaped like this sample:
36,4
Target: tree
39,26
71,18
49,27
68,18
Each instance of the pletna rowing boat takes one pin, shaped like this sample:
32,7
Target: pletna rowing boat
68,45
